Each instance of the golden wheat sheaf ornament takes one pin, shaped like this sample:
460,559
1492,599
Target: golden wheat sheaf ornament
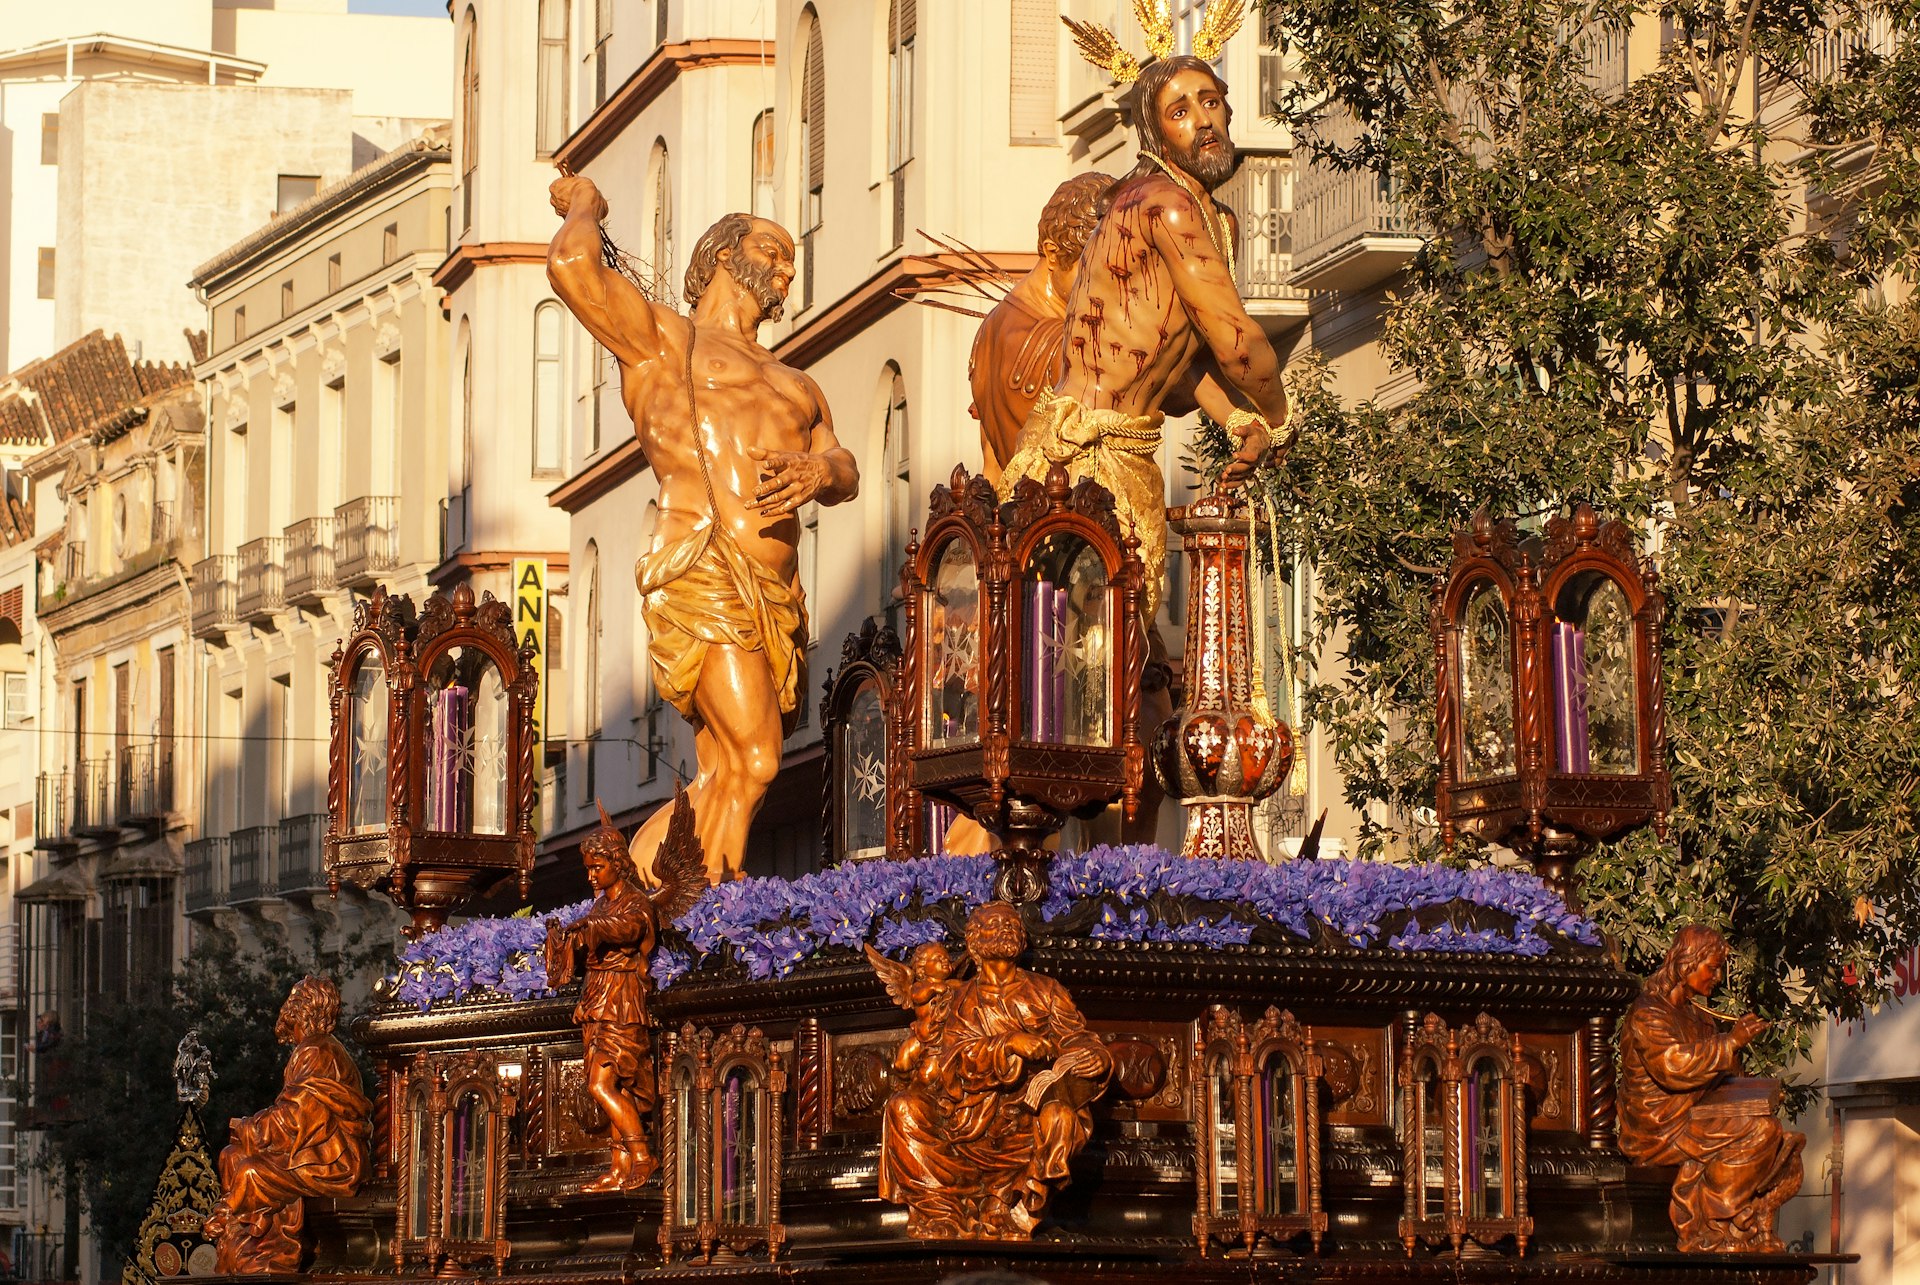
1099,46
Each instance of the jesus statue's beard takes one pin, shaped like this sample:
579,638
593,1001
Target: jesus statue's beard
1209,168
757,280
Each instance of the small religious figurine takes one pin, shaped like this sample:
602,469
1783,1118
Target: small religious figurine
1002,1071
615,939
193,1073
1156,312
313,1141
1018,342
1684,1103
739,443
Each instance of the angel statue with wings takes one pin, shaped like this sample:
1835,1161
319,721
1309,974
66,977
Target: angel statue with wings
615,943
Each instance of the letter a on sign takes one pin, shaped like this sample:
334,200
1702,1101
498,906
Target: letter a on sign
530,630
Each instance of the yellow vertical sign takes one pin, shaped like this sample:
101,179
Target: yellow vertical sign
530,631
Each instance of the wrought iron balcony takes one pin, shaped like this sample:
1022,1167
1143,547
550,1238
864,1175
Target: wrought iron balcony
309,561
216,594
250,863
299,866
1351,230
1261,195
206,862
92,795
73,563
261,586
165,527
143,782
366,540
53,810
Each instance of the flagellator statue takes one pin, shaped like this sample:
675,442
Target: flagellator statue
739,442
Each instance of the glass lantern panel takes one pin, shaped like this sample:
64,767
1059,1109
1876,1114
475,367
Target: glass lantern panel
469,1152
1485,687
1430,1120
1486,1140
736,1176
1596,709
367,747
467,721
1279,1140
1221,1087
686,1148
419,1166
860,759
1066,644
950,618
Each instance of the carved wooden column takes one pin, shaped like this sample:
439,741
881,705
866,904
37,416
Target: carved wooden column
1602,1112
813,1085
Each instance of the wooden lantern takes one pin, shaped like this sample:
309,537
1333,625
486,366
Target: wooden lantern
720,1134
870,810
1257,1132
1463,1126
452,1138
1551,718
1025,649
430,782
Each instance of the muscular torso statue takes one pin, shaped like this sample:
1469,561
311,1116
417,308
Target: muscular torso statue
1155,314
739,442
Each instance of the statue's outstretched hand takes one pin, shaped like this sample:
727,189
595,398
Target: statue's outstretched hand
788,479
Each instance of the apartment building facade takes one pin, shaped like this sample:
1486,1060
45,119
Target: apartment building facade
326,394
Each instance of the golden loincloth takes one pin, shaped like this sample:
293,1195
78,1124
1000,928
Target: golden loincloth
703,590
1120,452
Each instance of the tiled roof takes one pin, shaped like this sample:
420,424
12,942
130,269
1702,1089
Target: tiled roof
85,385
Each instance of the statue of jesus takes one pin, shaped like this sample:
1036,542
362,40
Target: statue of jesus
739,442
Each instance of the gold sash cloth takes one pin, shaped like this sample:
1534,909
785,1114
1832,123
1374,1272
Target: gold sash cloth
1120,452
703,590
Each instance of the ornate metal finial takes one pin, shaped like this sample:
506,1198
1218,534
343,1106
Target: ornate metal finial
192,1070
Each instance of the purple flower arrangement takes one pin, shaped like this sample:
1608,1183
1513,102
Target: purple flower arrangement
1131,893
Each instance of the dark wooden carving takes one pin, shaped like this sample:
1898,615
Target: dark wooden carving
1458,1186
457,1103
721,1112
1258,1168
873,658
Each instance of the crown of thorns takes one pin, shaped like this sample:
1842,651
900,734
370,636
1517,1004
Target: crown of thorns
1103,49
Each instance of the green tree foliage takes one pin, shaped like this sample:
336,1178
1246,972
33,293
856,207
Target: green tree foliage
1668,297
115,1081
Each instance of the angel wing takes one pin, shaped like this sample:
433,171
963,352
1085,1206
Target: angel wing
1103,49
681,863
895,975
1222,20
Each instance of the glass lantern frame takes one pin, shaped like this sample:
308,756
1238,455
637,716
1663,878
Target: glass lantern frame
870,659
1452,1055
1276,1038
441,1080
707,1059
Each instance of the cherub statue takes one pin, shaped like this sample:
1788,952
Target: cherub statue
615,941
921,986
1005,1071
1683,1102
313,1141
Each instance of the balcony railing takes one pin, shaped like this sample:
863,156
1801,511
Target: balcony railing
215,596
260,583
1261,194
92,794
1606,51
206,860
309,561
1351,231
366,539
73,562
143,782
164,526
250,863
1830,54
298,866
52,809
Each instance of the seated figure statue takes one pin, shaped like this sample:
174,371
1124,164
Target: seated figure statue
313,1141
1684,1103
1006,1071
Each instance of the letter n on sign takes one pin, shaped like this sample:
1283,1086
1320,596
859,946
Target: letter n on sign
530,630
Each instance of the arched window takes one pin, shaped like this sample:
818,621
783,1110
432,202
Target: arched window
897,490
552,127
813,143
902,22
469,118
548,392
763,165
660,230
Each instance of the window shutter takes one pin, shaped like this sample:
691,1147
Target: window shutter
1036,32
903,23
815,93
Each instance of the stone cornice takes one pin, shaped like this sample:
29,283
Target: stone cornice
461,264
896,283
648,83
598,478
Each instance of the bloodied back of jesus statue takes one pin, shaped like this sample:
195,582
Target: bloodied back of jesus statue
615,942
